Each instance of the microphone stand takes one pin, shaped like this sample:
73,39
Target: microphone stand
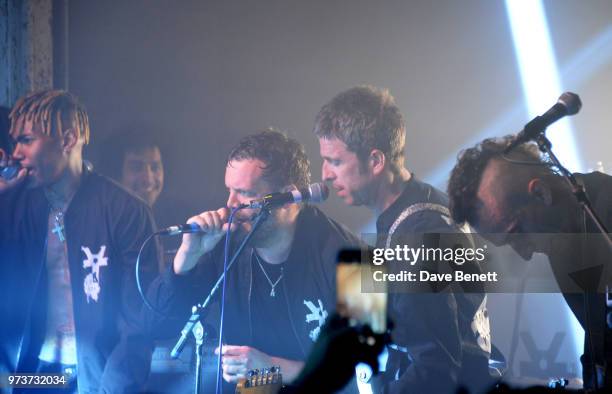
578,190
194,325
545,146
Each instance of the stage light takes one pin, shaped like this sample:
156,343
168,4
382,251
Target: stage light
539,73
587,61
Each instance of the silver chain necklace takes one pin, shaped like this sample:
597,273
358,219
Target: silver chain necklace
273,285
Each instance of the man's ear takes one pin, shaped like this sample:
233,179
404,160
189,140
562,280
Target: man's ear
377,161
69,139
538,189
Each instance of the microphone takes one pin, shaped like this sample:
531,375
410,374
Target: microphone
316,193
9,172
568,104
181,229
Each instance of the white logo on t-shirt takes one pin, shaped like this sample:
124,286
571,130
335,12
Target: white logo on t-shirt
318,315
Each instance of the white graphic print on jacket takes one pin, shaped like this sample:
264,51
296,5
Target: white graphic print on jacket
92,280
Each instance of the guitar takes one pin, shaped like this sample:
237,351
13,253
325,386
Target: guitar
265,381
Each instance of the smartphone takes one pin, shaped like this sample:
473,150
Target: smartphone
360,307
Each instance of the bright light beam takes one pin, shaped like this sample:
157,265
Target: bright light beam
539,73
590,59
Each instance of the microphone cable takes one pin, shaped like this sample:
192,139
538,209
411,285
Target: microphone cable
138,280
222,311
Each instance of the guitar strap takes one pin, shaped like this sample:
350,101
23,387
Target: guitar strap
411,210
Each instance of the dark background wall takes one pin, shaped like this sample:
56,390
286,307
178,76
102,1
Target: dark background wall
201,74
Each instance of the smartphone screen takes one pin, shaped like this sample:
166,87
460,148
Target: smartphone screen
361,308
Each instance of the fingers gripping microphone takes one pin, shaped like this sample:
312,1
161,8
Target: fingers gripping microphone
182,229
315,193
568,104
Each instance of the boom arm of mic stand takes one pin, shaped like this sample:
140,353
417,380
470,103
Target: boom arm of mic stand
197,310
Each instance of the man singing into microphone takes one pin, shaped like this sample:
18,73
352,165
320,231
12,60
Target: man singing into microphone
281,289
68,244
516,198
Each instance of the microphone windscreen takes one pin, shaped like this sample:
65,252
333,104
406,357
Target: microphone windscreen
571,102
318,192
9,172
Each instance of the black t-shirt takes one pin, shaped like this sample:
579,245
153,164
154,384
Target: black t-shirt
272,330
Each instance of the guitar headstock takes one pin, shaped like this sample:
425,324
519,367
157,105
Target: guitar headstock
264,381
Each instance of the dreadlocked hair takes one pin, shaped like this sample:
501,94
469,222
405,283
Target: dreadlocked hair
54,111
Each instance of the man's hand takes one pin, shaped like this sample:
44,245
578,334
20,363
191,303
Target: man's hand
238,360
21,175
194,245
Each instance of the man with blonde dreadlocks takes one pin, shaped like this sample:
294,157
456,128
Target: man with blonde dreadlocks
68,244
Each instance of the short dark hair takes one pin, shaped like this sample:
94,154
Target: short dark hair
53,111
117,146
466,175
284,158
365,118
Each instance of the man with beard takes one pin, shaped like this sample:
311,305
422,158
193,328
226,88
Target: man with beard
518,199
441,340
68,243
281,289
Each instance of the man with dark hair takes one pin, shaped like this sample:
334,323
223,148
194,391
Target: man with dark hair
134,159
518,199
281,288
68,244
441,340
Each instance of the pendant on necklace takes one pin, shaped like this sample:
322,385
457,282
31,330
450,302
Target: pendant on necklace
59,227
272,293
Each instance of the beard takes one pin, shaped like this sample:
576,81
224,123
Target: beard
362,197
264,235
